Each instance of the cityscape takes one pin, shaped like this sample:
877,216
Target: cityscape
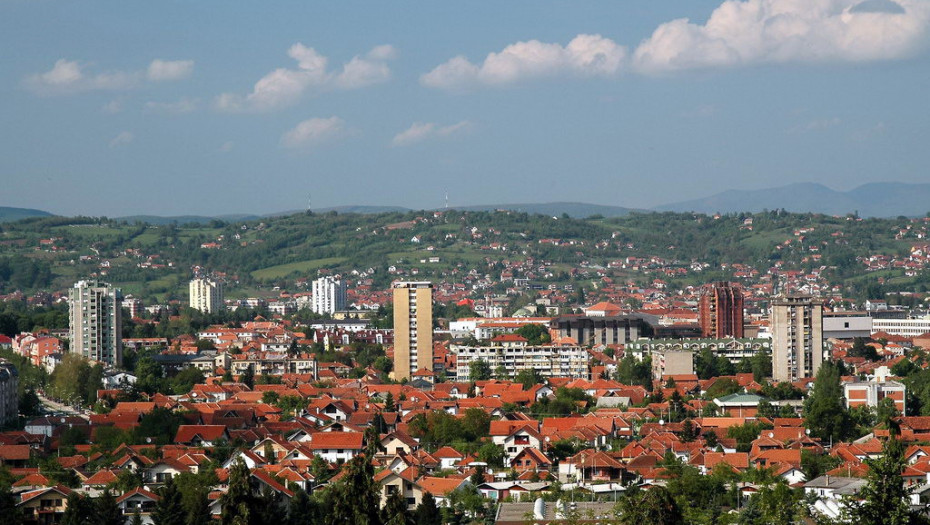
465,264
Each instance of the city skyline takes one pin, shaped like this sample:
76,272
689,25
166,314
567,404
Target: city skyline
177,109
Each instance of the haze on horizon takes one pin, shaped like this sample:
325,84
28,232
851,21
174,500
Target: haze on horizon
214,108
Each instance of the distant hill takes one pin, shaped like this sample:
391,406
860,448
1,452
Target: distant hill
8,214
578,210
880,199
186,219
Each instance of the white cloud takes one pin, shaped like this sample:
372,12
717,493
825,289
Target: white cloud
71,76
227,146
312,132
816,125
184,105
124,137
284,87
702,111
776,31
421,131
585,55
160,70
68,76
113,106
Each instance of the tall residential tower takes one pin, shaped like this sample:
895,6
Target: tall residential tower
413,328
797,337
329,295
206,295
95,322
721,310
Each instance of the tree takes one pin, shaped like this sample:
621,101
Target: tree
535,334
169,509
107,511
300,509
427,512
355,496
8,509
824,412
198,510
395,510
653,506
529,377
248,378
479,370
389,405
884,499
80,511
238,502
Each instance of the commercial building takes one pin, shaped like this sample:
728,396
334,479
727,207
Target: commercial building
206,295
601,330
329,295
797,337
902,327
846,325
720,311
95,327
9,393
413,328
668,362
511,354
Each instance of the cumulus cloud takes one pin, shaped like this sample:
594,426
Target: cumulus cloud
283,87
585,55
746,32
184,105
160,70
71,76
421,131
312,132
124,137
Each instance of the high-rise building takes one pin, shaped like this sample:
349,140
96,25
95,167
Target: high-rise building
9,392
206,295
95,326
413,328
329,295
797,337
721,310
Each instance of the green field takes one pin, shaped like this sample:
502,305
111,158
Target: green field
283,270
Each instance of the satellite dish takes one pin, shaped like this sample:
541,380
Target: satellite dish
771,434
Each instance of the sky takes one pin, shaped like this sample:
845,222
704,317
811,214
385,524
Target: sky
212,108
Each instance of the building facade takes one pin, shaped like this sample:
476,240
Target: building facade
9,392
329,295
797,337
95,322
413,328
206,295
720,311
548,360
587,330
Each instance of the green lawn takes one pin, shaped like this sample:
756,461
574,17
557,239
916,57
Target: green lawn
283,270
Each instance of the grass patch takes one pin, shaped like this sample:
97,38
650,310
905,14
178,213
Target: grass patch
283,270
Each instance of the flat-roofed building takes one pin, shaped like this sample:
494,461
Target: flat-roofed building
797,337
413,328
95,322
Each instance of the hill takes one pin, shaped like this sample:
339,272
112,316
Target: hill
8,214
883,199
577,210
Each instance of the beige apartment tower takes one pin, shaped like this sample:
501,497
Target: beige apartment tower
413,328
797,337
206,295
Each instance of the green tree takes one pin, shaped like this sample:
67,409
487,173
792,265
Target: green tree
107,511
529,377
824,412
389,404
655,506
427,512
884,499
238,502
395,511
479,370
535,334
355,497
169,509
248,378
80,511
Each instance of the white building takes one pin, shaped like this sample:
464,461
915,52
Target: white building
206,295
514,354
329,295
902,327
95,327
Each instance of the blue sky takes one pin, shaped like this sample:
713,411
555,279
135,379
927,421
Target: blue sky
168,108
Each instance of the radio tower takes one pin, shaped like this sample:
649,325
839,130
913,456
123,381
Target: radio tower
447,200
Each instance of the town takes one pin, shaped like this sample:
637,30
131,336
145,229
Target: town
493,373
